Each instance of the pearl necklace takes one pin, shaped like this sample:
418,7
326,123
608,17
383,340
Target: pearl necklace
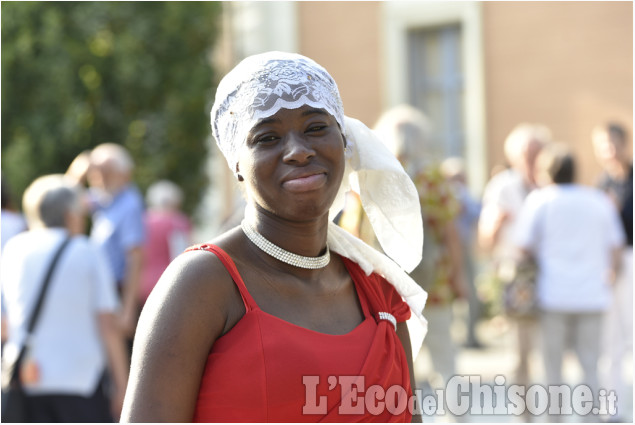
283,255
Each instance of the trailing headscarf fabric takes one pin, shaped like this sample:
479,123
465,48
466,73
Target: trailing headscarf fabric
261,85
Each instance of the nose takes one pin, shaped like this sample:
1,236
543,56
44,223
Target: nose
297,149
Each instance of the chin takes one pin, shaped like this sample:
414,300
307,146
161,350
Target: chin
305,213
301,210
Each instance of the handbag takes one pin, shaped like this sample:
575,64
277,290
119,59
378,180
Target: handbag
518,278
13,396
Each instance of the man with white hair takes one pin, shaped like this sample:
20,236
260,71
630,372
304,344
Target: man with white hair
503,199
118,226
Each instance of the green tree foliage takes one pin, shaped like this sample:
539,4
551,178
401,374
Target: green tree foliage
77,74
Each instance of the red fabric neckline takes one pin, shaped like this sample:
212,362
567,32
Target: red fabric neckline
251,305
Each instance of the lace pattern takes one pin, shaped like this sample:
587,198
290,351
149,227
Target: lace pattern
263,84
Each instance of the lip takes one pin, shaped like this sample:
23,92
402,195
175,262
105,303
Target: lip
304,182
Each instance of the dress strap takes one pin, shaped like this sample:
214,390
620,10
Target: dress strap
357,275
229,264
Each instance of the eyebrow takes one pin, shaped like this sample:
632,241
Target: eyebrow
265,121
271,120
314,111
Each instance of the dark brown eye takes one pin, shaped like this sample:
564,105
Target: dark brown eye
267,139
317,127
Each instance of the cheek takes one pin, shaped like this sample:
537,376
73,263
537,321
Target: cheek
341,164
604,151
342,156
611,150
95,178
335,149
108,177
252,163
255,171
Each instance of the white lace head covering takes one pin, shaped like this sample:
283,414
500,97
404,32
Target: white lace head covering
261,85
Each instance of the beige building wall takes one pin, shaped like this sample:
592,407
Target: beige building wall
344,37
568,65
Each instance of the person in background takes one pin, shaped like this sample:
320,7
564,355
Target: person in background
168,232
76,337
574,234
117,228
11,220
503,198
470,209
12,223
440,273
610,147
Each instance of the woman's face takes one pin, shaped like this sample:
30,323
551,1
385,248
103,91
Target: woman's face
293,163
607,150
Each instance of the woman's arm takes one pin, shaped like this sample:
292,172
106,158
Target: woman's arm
130,287
186,312
117,359
489,226
457,266
404,337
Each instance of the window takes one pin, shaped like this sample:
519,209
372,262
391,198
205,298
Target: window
437,86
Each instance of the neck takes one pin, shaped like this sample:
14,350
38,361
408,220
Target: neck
306,238
114,191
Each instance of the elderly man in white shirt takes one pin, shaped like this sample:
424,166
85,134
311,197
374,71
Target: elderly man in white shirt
76,337
575,235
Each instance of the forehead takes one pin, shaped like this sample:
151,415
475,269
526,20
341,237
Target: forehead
286,114
259,87
104,165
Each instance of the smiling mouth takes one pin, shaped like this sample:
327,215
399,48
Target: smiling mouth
305,184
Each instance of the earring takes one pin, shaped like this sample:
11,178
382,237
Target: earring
237,174
348,151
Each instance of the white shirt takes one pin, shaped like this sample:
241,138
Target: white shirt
506,191
66,343
11,224
572,230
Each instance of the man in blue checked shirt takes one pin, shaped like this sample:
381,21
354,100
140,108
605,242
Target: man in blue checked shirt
118,228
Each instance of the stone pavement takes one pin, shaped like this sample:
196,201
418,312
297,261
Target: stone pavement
496,358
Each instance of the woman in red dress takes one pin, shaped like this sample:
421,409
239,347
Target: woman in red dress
287,318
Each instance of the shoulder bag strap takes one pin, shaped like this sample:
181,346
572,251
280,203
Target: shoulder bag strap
45,285
38,306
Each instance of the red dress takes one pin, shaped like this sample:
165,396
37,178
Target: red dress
268,370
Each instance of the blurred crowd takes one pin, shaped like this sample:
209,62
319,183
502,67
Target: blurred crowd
579,239
76,365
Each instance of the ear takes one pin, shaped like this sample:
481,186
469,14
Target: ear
239,177
73,221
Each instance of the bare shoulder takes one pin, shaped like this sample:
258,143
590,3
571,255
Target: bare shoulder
188,310
197,284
